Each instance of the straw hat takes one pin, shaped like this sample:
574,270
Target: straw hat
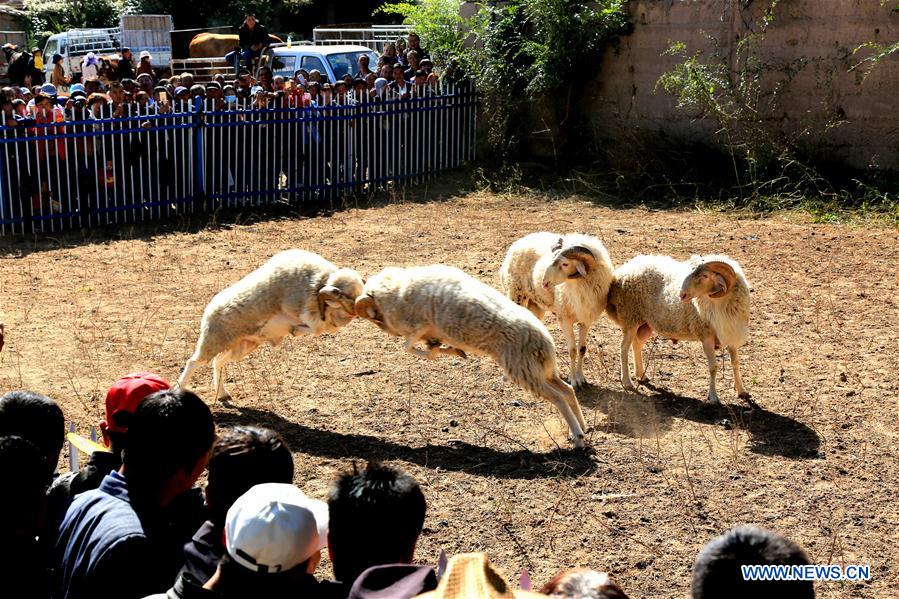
472,576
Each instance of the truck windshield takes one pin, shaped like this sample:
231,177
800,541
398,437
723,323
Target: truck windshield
345,63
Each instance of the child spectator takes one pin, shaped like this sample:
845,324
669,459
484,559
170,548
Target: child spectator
580,583
242,457
22,506
376,516
35,418
717,571
122,540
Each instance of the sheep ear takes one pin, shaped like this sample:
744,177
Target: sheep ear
581,267
726,277
557,245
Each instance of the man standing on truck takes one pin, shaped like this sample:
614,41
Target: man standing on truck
252,37
125,69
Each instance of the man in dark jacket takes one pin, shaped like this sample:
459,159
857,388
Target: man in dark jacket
122,539
121,401
243,456
252,37
125,70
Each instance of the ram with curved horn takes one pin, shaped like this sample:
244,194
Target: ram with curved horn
294,293
568,275
704,299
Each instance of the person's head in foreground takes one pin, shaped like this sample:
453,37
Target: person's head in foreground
274,535
244,456
376,516
170,436
121,401
581,583
23,503
35,418
470,575
717,572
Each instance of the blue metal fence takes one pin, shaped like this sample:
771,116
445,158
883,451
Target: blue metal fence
105,165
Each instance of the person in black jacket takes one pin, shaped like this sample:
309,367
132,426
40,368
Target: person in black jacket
242,457
125,70
253,37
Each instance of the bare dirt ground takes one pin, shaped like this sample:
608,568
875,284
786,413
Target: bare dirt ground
816,460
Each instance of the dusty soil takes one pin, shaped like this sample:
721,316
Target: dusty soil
816,459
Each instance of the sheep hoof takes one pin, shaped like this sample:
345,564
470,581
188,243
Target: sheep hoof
579,442
713,398
629,387
744,395
643,380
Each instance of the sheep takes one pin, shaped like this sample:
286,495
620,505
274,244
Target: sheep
456,314
705,298
569,276
294,293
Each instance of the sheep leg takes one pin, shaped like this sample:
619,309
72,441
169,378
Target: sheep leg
638,344
570,399
218,376
568,332
644,332
627,339
582,350
708,345
409,346
188,371
551,392
235,354
738,380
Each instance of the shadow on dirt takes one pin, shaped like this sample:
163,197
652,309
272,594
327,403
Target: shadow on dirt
460,457
645,416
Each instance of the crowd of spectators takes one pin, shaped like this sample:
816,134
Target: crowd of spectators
132,523
72,175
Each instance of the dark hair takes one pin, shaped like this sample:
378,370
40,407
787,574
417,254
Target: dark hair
375,517
581,583
717,572
242,457
169,432
35,418
22,502
239,582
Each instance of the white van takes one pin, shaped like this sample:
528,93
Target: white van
138,32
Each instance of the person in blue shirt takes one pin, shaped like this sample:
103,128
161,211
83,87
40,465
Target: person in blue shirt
124,539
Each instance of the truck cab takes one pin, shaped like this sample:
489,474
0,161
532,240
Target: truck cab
334,62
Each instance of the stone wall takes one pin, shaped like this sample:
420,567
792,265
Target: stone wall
809,48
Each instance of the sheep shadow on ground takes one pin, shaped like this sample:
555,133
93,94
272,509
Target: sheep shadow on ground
460,457
645,416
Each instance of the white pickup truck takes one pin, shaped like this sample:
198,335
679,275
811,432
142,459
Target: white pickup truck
138,32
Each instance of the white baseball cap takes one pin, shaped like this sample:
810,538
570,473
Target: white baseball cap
274,527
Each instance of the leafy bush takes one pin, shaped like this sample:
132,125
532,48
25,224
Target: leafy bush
47,17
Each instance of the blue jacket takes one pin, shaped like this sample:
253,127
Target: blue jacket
104,548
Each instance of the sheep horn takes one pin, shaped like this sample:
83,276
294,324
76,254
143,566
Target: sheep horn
579,252
727,272
332,293
364,304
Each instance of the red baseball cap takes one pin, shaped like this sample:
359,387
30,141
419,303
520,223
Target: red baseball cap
127,392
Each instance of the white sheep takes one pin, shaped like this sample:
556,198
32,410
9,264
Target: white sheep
294,293
705,298
567,275
453,313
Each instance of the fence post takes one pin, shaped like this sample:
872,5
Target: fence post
199,125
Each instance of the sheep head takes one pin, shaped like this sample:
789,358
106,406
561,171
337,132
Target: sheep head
367,308
572,262
714,279
337,299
